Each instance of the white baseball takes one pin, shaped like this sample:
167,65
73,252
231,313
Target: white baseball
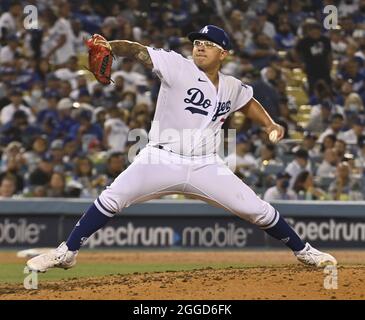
273,136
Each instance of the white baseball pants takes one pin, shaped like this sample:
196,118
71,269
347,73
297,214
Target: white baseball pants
156,172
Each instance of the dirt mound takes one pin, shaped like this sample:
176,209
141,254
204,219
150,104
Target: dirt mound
275,281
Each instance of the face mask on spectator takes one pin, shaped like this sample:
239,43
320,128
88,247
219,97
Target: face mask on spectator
36,93
128,104
352,107
285,184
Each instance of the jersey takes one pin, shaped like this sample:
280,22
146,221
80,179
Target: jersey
190,111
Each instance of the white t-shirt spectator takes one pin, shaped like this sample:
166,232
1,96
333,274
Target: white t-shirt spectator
79,41
327,132
131,78
325,169
63,54
294,169
6,55
274,193
117,138
7,21
8,111
246,160
348,136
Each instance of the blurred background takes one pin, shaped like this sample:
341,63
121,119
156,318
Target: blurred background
64,135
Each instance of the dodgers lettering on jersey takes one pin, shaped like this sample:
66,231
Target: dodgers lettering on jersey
190,111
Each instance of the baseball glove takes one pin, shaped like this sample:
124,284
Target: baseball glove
100,58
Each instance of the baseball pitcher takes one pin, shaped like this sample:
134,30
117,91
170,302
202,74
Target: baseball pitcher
194,97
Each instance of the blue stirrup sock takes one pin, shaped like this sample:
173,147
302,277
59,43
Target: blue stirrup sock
90,222
285,233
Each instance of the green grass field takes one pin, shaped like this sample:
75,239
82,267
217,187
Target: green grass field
14,272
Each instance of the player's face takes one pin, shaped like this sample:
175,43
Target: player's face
207,54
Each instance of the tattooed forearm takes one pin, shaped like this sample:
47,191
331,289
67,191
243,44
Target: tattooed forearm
131,49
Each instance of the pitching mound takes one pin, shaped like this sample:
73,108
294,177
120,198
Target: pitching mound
278,277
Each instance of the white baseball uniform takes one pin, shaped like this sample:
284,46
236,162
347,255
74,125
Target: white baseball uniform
181,154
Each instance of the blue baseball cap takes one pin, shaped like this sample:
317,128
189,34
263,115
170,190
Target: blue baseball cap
214,34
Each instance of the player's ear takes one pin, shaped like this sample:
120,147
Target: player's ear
224,54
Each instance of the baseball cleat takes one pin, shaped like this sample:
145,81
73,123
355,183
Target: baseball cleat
57,258
313,257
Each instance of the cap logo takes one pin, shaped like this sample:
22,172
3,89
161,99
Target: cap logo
205,30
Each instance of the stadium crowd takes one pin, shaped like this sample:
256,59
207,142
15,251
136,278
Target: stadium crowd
64,135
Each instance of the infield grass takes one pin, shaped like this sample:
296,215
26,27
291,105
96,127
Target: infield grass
14,272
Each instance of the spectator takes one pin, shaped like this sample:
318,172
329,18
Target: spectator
242,162
59,41
42,70
7,186
296,14
83,173
115,131
298,165
8,111
50,112
319,118
115,165
98,96
129,74
35,98
65,121
14,163
360,156
305,188
266,93
344,187
352,135
340,147
327,168
18,129
128,100
351,71
57,185
328,142
337,123
79,36
261,52
309,144
11,21
9,52
284,38
267,156
338,42
354,104
57,153
38,150
281,189
287,115
315,52
70,71
42,174
84,131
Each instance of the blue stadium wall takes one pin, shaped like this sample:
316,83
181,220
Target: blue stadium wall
177,224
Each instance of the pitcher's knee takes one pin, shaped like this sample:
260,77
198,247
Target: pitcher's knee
267,217
261,214
108,203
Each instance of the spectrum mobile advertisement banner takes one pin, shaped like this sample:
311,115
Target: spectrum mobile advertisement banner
177,232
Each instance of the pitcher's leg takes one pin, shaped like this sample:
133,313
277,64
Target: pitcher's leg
142,180
218,183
